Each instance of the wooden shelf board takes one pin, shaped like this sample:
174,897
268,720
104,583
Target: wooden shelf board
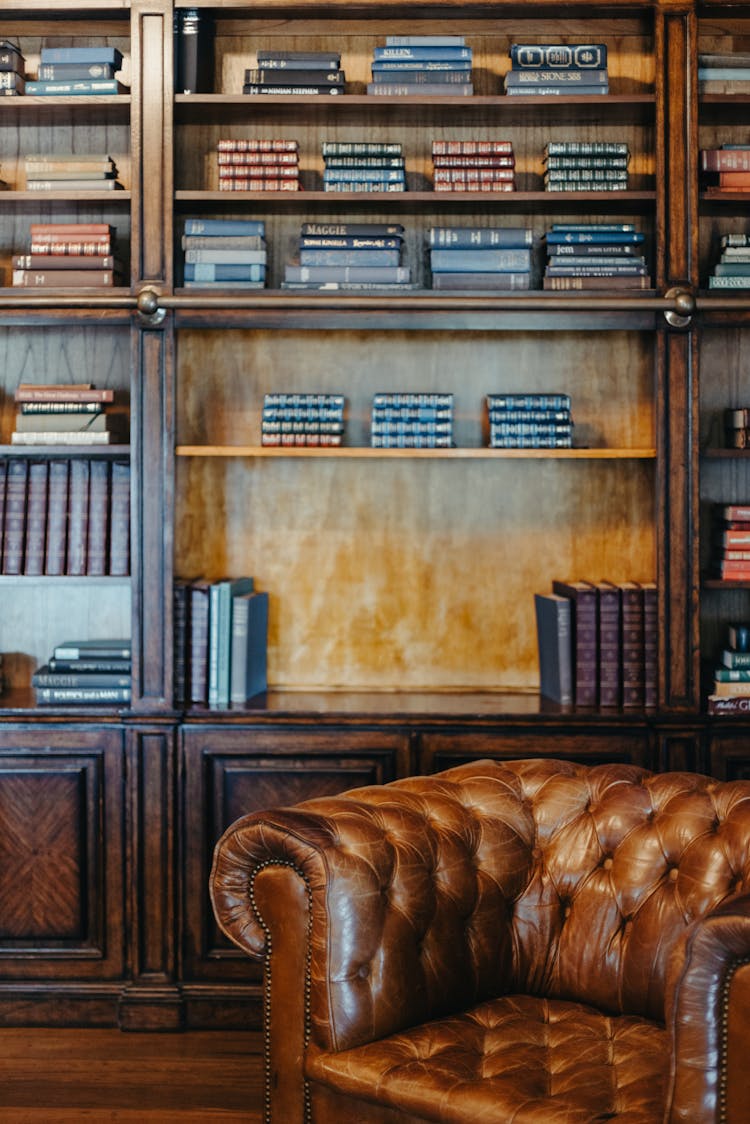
66,579
42,451
398,200
44,196
347,452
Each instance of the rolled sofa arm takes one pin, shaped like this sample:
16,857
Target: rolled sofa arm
708,1015
406,890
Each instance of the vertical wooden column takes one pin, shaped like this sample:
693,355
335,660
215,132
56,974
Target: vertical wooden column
152,354
678,572
152,999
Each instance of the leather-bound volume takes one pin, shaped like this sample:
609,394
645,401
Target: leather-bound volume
610,651
78,517
194,63
633,687
57,517
14,525
119,533
650,643
36,518
97,555
584,600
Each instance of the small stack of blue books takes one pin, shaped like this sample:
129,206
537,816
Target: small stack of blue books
595,256
225,253
557,69
64,71
469,257
433,65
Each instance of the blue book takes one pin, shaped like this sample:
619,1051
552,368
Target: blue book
560,56
468,237
102,54
349,242
225,226
73,71
221,595
209,271
723,73
470,261
613,236
248,670
425,41
349,257
451,65
602,226
84,87
363,175
422,53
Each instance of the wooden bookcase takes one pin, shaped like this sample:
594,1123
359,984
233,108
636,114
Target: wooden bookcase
401,584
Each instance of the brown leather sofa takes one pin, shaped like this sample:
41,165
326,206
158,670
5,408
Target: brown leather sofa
527,941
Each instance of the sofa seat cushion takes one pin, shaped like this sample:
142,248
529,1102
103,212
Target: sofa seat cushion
512,1060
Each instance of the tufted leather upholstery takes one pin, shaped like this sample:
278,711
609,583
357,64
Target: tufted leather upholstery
528,941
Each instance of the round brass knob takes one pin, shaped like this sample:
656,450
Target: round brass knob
147,302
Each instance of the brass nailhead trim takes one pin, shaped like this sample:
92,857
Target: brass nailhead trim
723,1076
267,985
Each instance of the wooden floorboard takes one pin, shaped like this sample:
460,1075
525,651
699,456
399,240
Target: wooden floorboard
50,1076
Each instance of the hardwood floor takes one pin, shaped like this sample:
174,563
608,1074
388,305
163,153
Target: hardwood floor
50,1076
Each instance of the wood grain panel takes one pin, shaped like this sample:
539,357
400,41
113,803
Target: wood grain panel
412,573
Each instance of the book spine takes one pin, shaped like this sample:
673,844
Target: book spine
79,679
73,695
206,271
209,227
348,257
199,639
460,260
393,273
244,159
3,487
427,89
559,76
61,393
14,529
728,705
57,517
56,278
78,517
633,685
253,89
290,76
97,554
585,636
239,145
423,76
610,651
193,52
349,242
419,53
110,55
650,644
67,71
82,87
119,538
560,56
490,160
51,247
361,148
36,517
181,641
351,228
213,644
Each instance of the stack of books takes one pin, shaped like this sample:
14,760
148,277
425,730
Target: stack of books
295,72
66,516
732,271
302,419
557,69
56,414
412,421
595,256
66,71
731,560
425,65
363,166
258,165
737,427
220,642
93,172
730,692
348,256
68,255
725,169
12,69
586,165
470,257
724,73
225,253
529,421
85,672
473,165
597,643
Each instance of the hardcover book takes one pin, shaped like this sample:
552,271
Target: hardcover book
584,604
554,641
249,643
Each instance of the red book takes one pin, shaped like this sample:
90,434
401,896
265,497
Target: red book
735,181
610,651
650,643
73,230
63,261
633,684
725,160
736,511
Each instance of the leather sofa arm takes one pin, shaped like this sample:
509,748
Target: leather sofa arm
708,1015
409,888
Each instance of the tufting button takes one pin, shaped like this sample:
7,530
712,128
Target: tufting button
363,971
674,874
608,864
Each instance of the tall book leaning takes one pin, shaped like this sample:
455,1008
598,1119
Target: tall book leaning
555,644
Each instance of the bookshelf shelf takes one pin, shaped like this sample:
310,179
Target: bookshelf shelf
365,452
43,452
526,201
35,198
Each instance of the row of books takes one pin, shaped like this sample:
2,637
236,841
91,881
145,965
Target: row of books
407,420
65,516
85,673
224,253
727,73
529,421
63,71
595,256
484,166
597,643
422,64
732,270
737,427
263,166
375,166
87,172
220,642
295,72
730,690
302,419
731,541
68,255
569,166
554,69
59,414
348,256
480,258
